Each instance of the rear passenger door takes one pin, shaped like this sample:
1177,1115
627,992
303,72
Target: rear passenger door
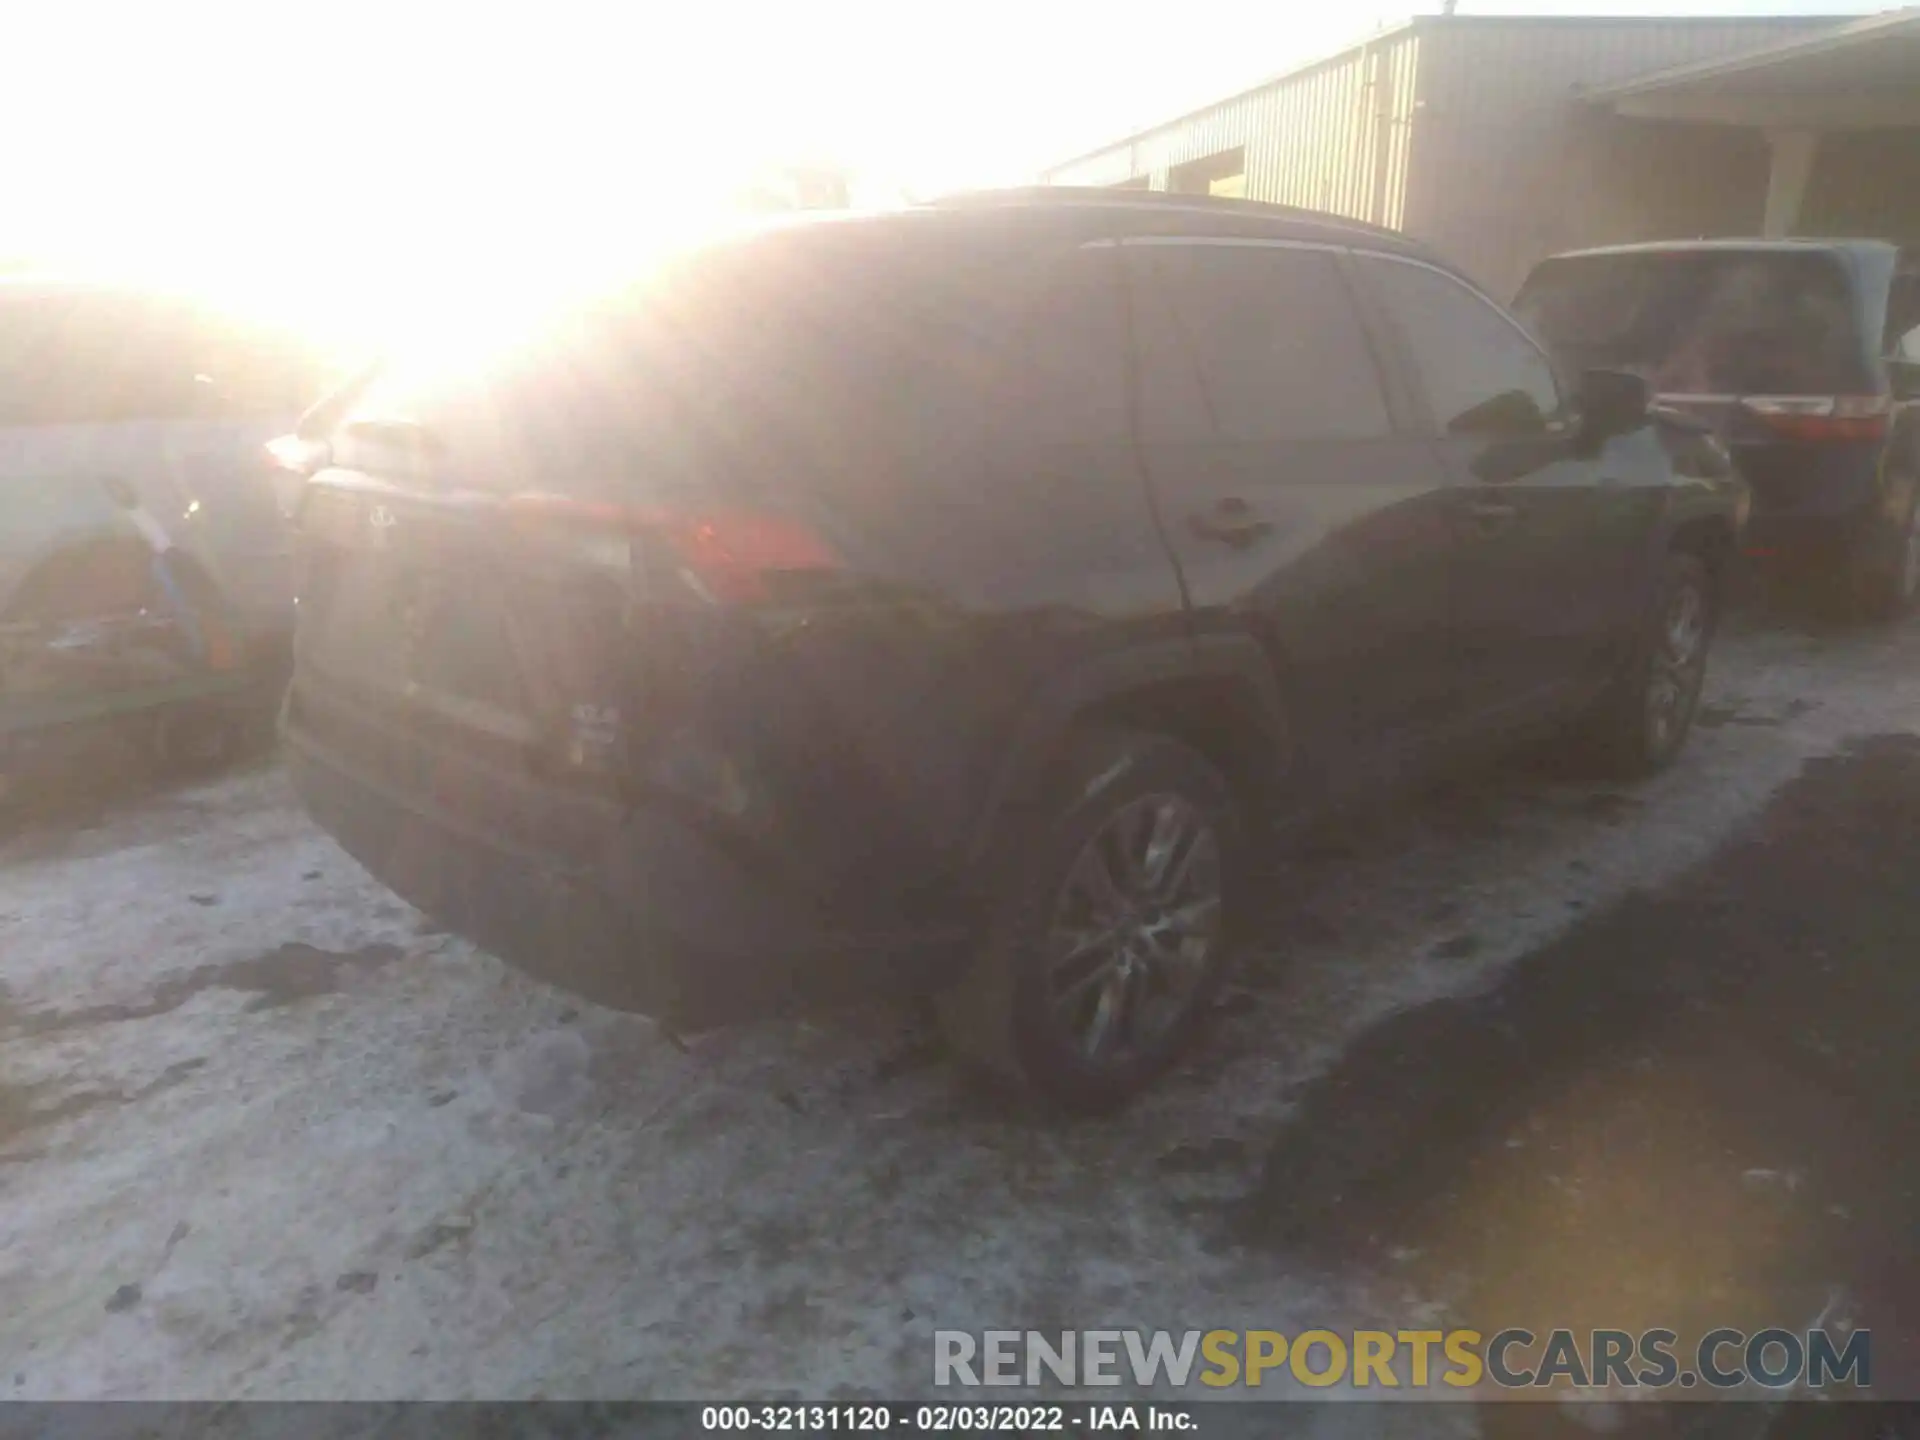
1549,536
1297,507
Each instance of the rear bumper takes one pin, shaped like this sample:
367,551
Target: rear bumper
1805,539
1811,502
633,909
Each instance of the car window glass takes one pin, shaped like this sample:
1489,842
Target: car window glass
1702,322
1251,344
741,361
1480,373
1064,382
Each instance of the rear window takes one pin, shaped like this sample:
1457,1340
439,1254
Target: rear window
1703,322
94,356
790,348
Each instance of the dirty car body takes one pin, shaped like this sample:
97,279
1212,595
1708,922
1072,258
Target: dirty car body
714,652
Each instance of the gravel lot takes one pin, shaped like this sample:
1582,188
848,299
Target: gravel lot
265,1133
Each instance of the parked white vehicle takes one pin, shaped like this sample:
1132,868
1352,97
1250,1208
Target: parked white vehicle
145,555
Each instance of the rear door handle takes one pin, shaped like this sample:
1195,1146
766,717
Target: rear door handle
1233,522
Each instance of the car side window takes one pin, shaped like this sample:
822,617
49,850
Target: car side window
1481,374
1250,344
1065,379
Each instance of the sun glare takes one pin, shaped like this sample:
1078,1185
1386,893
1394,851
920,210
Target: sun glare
425,174
420,180
445,286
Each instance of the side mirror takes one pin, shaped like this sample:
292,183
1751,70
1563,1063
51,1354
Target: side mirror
1612,402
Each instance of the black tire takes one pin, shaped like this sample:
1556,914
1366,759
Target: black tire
1152,956
1883,572
1642,722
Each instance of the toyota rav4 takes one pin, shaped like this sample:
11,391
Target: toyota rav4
941,603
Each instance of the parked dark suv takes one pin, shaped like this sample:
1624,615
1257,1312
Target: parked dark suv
937,603
1803,355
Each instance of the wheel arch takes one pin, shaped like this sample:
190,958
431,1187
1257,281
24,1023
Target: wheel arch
1709,538
1219,695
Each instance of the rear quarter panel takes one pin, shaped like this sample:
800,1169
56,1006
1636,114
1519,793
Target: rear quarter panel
997,540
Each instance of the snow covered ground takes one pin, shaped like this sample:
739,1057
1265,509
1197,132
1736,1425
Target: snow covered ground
265,1133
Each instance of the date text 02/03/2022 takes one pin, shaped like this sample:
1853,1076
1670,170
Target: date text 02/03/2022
945,1419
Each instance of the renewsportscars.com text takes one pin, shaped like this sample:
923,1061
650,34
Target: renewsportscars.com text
1436,1360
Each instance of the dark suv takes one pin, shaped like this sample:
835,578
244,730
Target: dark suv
1803,355
936,604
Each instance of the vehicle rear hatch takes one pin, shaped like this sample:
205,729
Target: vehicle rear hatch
1767,345
472,583
565,569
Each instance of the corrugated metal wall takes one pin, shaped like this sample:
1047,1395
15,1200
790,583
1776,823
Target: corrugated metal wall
1512,166
1335,136
1470,132
1651,180
1865,182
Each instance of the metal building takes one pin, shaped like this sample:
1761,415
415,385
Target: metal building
1502,139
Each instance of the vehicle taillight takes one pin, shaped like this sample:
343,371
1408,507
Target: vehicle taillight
731,556
1823,417
724,555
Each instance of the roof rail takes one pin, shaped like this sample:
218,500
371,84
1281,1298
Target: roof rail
1125,198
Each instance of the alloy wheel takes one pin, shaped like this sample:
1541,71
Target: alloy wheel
1134,929
1679,666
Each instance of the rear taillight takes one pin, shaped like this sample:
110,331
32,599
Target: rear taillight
734,557
722,556
1823,417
